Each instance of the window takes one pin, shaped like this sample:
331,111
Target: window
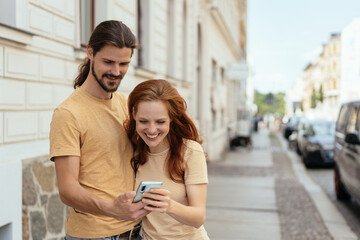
199,85
8,13
87,23
214,98
184,41
223,96
358,122
143,33
214,72
342,118
222,75
171,38
213,118
352,120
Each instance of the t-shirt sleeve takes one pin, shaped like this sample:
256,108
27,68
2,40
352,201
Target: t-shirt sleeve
196,172
64,135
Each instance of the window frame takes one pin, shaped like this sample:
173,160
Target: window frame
83,42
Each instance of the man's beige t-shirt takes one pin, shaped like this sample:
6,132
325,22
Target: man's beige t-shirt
93,129
160,226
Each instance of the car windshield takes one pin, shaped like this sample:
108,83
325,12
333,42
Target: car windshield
323,128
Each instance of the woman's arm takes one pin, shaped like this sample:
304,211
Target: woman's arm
159,200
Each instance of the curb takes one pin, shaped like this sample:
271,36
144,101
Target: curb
333,219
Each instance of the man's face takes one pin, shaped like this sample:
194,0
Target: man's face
109,66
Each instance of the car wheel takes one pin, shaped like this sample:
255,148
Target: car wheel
306,161
298,149
340,190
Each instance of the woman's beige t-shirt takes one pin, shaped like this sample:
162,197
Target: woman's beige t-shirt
161,226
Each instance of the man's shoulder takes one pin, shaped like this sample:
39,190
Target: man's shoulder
120,97
122,100
69,102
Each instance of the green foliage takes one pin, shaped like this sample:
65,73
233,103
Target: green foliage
320,96
313,99
270,103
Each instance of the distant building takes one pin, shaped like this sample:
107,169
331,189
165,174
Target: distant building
293,98
311,82
335,71
331,76
350,61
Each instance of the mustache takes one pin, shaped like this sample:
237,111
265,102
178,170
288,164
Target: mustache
112,76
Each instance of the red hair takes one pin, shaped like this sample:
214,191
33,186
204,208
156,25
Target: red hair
181,126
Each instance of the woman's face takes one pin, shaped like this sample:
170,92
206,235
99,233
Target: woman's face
153,125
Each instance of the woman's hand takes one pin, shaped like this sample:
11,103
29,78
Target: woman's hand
157,200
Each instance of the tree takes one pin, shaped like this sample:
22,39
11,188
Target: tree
320,96
313,98
269,99
270,103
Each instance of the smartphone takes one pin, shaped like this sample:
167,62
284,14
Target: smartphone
145,187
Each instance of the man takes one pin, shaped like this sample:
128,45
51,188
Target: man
89,145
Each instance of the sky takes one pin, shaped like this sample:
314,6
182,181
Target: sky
284,36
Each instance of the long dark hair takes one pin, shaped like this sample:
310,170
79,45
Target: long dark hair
181,126
109,32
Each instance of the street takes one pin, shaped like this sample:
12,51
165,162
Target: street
267,192
350,210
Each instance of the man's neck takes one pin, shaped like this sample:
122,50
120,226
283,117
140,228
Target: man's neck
93,88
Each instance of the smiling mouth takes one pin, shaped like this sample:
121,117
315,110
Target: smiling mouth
152,136
112,77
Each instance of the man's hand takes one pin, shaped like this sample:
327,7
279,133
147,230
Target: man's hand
124,209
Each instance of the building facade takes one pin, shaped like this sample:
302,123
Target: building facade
321,80
350,62
192,44
335,71
330,83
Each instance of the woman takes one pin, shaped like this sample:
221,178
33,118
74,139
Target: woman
167,148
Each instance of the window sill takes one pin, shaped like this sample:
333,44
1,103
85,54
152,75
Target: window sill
14,34
80,53
144,73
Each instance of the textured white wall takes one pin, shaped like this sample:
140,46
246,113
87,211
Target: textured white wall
1,127
34,78
10,202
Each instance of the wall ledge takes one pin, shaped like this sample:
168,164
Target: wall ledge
14,34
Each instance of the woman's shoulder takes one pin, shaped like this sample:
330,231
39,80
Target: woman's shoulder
191,145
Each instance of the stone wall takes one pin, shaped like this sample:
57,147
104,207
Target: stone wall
43,213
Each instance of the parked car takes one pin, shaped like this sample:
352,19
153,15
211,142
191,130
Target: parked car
297,133
301,127
290,126
317,143
347,150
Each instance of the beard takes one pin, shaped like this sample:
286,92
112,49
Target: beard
110,86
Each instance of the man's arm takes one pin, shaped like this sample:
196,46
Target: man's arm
75,196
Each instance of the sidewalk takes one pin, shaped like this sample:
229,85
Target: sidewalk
242,198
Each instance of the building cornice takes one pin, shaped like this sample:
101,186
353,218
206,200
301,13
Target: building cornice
144,73
14,34
219,20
